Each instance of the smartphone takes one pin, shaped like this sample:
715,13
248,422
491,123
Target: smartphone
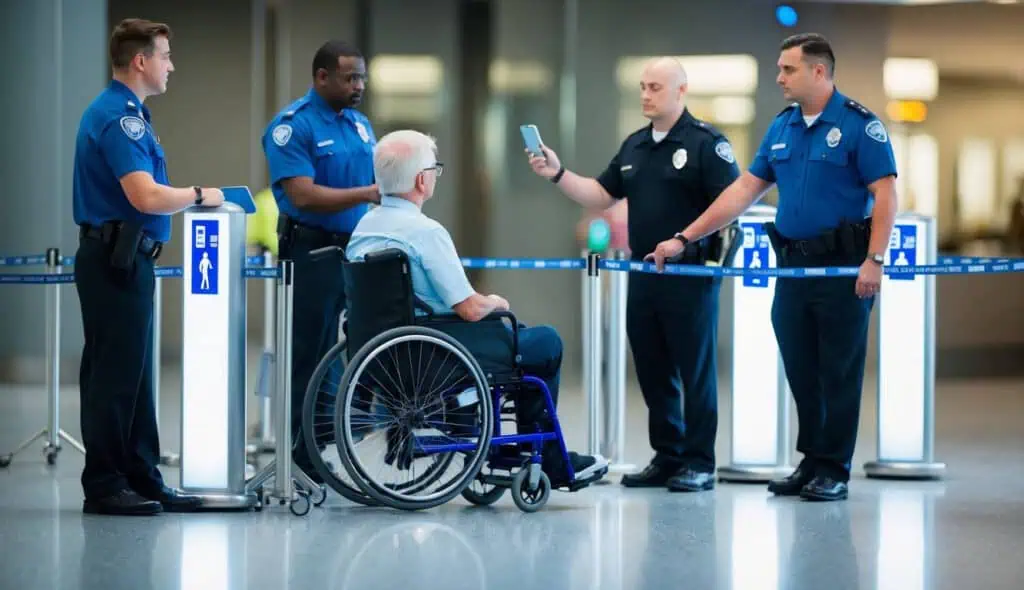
531,137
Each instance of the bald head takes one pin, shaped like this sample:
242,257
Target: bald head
662,88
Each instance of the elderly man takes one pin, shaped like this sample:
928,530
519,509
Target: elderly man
406,168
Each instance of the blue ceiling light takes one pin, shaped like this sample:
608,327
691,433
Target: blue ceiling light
786,15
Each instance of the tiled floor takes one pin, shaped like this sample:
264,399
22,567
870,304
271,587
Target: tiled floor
966,531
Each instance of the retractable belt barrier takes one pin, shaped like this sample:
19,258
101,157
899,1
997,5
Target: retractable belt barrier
760,402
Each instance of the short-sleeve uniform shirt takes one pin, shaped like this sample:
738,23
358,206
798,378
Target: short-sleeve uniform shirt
823,170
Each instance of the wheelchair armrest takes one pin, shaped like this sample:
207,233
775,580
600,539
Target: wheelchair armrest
494,316
325,253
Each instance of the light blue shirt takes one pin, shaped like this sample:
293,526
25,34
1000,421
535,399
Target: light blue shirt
438,278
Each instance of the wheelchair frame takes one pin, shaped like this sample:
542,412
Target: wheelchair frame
525,473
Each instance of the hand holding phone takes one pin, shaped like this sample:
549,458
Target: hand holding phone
531,137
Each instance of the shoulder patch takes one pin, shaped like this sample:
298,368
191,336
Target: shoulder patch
876,131
864,112
281,134
724,151
133,127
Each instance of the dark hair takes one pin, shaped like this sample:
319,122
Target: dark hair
814,46
132,36
327,56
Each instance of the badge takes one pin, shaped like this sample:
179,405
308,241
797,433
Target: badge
724,151
679,158
362,132
876,131
833,137
281,134
133,127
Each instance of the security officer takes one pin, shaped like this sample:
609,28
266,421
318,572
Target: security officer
831,158
320,154
122,203
670,171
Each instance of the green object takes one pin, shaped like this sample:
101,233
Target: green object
599,235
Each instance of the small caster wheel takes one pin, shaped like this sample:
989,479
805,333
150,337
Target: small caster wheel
321,497
51,458
488,494
5,461
526,499
301,505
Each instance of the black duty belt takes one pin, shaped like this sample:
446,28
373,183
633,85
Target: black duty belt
107,233
289,229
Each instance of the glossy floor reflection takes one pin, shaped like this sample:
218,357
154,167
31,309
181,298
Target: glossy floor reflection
964,532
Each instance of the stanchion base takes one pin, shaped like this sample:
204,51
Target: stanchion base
904,470
754,474
227,501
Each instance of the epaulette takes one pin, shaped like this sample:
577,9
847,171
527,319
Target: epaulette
709,128
864,112
788,108
295,107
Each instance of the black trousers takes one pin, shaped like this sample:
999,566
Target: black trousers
822,328
672,325
318,300
118,415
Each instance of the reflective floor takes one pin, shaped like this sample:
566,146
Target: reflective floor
966,531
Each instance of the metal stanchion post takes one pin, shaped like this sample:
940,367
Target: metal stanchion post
266,433
168,458
592,351
52,432
613,442
282,469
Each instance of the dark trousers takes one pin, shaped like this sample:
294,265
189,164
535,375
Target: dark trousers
672,325
317,303
118,415
822,327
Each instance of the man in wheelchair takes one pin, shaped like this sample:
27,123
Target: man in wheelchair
406,168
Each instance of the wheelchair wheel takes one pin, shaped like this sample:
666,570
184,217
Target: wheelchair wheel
482,494
318,425
415,420
527,497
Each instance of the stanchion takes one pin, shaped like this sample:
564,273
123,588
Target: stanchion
168,458
295,494
265,426
592,350
52,433
613,440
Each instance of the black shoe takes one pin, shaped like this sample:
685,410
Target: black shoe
174,500
125,502
791,486
825,489
587,469
653,476
690,480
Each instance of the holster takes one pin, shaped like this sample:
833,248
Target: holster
126,241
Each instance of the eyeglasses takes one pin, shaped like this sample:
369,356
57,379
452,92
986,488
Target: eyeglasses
438,166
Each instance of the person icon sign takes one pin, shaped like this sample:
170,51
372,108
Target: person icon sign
755,260
901,260
204,269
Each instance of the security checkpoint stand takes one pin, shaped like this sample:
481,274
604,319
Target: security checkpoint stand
760,449
906,356
52,432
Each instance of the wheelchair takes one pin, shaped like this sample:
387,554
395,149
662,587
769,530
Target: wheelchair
413,417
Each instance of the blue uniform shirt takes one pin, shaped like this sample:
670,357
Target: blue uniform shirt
438,278
114,138
308,138
823,171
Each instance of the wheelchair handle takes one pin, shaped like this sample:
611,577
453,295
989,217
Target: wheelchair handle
515,329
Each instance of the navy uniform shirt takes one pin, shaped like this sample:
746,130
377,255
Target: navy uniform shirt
823,171
308,138
115,138
671,182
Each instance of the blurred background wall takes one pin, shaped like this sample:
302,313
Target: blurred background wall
470,72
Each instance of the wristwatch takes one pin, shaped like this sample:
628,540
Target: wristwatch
877,259
679,236
199,195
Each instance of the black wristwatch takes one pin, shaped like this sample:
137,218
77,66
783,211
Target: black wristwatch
679,236
877,259
199,195
558,175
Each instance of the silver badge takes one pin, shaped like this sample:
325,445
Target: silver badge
281,134
833,137
876,131
679,158
362,132
724,151
133,127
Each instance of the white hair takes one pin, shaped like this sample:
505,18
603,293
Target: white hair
399,157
